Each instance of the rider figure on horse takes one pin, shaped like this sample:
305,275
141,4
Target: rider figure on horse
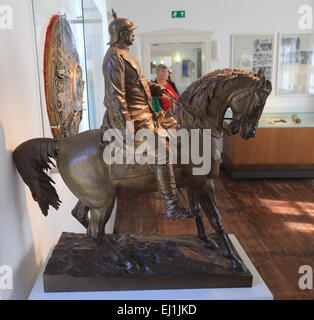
128,97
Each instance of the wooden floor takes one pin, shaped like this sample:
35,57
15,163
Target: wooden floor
272,219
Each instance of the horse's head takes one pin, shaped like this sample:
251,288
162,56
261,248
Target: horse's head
205,101
247,104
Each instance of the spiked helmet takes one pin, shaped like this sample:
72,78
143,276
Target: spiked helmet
117,25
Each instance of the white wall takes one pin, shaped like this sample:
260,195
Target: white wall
223,18
26,236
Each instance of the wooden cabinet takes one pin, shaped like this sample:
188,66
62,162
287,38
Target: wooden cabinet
278,151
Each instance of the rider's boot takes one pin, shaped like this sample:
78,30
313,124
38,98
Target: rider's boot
168,191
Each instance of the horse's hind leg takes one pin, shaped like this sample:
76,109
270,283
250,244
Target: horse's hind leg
196,213
80,212
208,203
99,217
96,230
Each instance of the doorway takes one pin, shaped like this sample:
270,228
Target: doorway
184,61
185,53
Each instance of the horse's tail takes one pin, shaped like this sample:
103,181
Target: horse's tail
32,159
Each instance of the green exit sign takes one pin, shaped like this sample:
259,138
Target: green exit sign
178,14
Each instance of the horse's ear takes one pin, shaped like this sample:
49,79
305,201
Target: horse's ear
114,14
261,75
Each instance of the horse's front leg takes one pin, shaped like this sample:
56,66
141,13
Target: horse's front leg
96,230
196,213
208,203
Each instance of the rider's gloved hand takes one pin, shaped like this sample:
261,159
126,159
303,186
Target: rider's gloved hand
158,91
163,90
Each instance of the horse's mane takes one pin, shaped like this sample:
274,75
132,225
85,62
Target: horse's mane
200,92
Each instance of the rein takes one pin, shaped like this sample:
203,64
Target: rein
199,115
202,116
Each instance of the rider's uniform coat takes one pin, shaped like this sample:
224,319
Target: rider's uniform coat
128,92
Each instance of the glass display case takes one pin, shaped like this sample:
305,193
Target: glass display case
85,24
282,120
282,148
252,52
287,120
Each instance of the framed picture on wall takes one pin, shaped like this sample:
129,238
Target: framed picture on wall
251,52
186,68
296,64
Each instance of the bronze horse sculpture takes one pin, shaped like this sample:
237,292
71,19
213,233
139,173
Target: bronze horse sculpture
79,159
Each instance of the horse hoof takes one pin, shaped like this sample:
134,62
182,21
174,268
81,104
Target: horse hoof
225,251
100,241
238,265
129,268
133,267
93,235
211,245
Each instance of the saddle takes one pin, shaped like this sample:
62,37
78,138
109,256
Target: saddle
126,171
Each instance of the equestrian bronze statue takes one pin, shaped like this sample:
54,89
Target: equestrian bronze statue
96,184
128,98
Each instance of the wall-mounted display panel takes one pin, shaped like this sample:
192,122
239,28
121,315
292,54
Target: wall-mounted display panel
296,64
252,52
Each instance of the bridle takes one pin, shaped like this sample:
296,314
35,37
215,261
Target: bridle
242,122
228,131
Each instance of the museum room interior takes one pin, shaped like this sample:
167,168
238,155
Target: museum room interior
53,87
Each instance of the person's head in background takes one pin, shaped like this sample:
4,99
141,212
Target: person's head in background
161,73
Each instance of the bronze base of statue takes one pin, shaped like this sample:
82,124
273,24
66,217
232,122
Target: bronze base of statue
78,263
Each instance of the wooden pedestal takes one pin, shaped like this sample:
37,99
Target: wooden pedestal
77,263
